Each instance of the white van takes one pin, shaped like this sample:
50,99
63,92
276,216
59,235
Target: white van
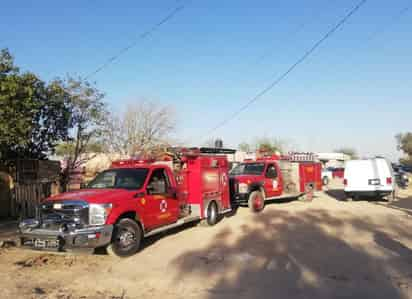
369,177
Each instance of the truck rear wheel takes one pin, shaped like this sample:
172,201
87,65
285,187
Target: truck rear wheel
126,238
212,214
256,201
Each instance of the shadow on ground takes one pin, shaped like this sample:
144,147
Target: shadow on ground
403,203
8,230
337,194
281,255
340,195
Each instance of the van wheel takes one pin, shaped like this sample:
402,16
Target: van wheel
256,201
126,238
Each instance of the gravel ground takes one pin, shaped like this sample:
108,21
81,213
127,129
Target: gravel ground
329,248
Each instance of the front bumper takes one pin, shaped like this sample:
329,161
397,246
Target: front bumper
85,238
240,198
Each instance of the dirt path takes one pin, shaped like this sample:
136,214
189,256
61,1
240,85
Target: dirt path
325,249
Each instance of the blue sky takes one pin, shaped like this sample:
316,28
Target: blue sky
213,56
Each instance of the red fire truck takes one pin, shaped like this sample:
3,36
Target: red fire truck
273,177
132,200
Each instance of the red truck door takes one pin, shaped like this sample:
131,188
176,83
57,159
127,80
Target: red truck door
272,181
161,203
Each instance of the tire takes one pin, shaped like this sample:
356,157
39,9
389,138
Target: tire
212,214
126,238
256,202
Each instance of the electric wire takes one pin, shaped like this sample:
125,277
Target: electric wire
141,36
291,68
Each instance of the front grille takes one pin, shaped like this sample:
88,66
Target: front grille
64,215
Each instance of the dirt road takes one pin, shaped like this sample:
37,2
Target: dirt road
325,249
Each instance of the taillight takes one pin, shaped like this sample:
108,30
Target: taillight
388,181
345,182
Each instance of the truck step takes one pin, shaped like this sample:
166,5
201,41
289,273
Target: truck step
286,195
178,223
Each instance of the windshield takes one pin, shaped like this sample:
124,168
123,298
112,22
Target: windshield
120,179
248,168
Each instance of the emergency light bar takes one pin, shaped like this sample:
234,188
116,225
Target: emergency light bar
301,157
213,150
291,156
131,162
193,151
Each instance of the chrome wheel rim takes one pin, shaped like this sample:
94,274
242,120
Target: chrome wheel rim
126,238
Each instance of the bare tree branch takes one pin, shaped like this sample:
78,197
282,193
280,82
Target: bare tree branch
143,127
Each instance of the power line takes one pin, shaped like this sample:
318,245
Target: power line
143,35
395,18
296,31
291,68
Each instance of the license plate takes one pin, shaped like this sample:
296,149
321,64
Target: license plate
46,243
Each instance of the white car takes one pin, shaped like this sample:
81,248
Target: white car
369,177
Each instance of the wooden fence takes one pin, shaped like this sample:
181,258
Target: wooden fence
24,184
27,196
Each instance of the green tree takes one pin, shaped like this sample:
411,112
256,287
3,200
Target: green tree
87,119
404,144
244,147
269,146
34,116
351,152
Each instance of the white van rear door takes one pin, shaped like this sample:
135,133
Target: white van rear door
384,173
359,175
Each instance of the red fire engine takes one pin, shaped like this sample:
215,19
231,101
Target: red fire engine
132,200
274,177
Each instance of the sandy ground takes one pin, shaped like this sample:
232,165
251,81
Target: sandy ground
329,248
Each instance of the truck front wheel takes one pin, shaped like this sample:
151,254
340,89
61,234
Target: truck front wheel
126,238
256,201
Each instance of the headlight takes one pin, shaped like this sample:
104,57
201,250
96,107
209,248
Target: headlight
98,213
243,188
